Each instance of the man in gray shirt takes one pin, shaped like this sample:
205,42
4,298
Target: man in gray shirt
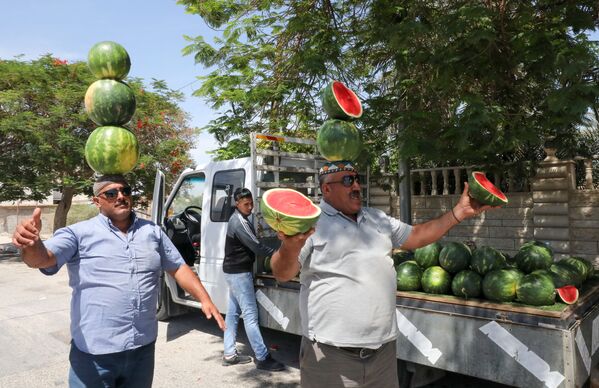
348,282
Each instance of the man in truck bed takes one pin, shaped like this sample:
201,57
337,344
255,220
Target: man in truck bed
348,282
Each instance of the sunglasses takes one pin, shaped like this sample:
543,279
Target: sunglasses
348,180
113,193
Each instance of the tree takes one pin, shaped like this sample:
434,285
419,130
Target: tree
44,127
442,82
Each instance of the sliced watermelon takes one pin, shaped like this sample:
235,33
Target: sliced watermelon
288,211
484,191
340,102
567,294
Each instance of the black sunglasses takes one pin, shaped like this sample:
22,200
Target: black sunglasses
348,180
113,193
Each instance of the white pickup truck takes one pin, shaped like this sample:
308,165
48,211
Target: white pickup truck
507,344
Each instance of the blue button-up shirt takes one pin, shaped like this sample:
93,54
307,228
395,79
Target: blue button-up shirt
114,277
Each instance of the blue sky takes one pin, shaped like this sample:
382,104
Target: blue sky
151,31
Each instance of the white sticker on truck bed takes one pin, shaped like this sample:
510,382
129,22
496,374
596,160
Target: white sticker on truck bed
419,340
273,310
520,352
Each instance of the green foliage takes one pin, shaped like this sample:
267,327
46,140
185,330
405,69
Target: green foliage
43,130
442,82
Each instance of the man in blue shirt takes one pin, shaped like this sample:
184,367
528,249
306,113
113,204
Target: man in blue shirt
114,262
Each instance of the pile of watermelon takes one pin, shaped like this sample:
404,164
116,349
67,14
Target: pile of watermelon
111,148
531,277
338,138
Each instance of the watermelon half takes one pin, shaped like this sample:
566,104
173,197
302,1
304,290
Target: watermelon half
288,211
111,150
108,60
340,102
484,191
567,294
339,140
109,102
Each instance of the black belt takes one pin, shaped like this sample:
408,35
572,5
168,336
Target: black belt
363,353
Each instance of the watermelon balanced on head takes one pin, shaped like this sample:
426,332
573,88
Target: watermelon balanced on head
288,211
409,274
484,191
428,256
340,102
455,257
534,255
436,280
485,259
109,102
339,140
466,284
111,150
500,285
536,290
108,60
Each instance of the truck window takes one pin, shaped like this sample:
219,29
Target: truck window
190,193
224,185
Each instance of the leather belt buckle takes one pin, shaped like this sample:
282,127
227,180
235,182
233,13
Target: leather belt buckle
366,353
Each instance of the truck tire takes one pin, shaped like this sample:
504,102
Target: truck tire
164,300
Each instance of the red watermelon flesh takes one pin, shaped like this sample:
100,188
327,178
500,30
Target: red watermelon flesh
481,178
568,294
292,205
347,99
288,211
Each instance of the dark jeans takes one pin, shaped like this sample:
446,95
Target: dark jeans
131,368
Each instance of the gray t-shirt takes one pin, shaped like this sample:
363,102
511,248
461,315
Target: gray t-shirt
348,282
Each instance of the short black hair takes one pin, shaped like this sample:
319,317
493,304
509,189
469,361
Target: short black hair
242,193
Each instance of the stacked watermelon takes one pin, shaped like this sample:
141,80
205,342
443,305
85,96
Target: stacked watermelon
111,148
338,138
531,277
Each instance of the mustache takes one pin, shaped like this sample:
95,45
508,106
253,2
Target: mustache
355,194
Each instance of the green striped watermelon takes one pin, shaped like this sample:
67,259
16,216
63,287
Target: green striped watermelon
339,140
534,255
111,150
565,274
288,211
485,259
428,256
108,60
267,267
340,102
408,276
454,257
585,268
500,285
466,284
436,280
536,289
109,102
485,192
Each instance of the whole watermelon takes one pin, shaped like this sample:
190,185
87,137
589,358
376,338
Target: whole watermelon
455,257
486,259
534,255
585,268
565,274
111,150
428,255
108,60
500,285
401,256
536,289
408,276
339,140
267,267
109,102
436,280
466,284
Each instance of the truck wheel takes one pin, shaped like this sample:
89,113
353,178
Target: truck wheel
164,301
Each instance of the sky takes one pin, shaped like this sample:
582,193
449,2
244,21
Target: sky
150,30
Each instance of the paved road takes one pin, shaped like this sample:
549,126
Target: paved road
34,341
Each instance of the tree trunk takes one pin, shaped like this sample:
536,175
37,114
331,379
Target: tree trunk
60,215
